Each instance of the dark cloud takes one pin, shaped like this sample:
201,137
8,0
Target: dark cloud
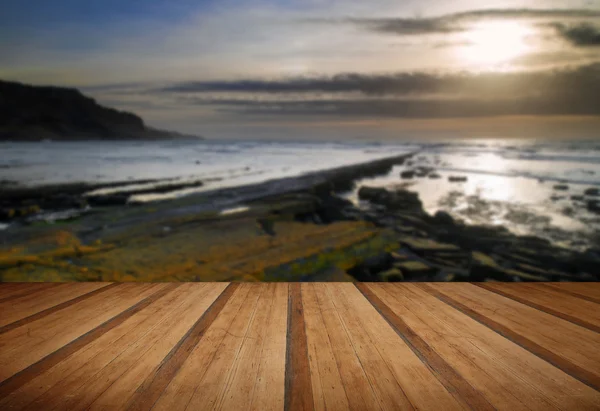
574,91
583,35
579,79
432,108
410,26
455,22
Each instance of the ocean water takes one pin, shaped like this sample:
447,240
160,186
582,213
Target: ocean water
509,182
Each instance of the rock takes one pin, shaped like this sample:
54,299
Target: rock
426,245
594,206
560,187
372,193
398,256
434,176
332,209
108,200
7,214
577,198
423,171
198,162
556,198
27,211
592,192
414,267
391,275
407,174
63,201
401,200
443,218
457,179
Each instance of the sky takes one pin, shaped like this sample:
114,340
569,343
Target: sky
319,69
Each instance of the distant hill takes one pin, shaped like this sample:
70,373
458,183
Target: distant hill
32,113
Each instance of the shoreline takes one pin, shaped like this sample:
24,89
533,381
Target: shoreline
288,229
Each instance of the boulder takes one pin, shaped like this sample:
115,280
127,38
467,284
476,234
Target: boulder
560,187
457,179
434,176
332,209
594,206
401,200
423,171
577,198
592,192
391,275
443,218
407,174
414,267
372,193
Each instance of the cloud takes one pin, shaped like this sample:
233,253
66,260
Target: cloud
574,91
456,22
407,83
583,35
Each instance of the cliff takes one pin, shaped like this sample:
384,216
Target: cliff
32,113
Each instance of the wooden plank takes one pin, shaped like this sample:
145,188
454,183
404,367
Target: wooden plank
38,307
509,376
454,383
27,375
356,315
567,290
113,385
30,304
591,290
24,346
327,386
26,289
571,348
298,387
269,389
583,313
211,388
203,375
183,384
148,392
359,391
239,392
75,369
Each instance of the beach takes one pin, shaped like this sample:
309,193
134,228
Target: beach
364,214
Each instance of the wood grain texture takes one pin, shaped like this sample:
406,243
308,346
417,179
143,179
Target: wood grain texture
577,311
15,292
587,289
22,377
575,292
36,307
155,383
278,346
462,391
298,386
568,347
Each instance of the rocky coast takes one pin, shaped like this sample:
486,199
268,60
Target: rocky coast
292,229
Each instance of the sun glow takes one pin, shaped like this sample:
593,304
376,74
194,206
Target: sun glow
494,43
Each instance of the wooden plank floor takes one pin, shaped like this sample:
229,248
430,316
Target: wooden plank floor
310,346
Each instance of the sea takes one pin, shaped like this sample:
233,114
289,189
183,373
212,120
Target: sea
509,182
